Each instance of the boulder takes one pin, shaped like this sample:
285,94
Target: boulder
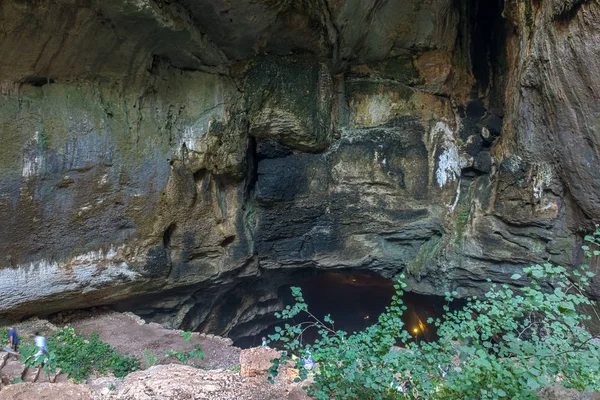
257,360
558,392
12,370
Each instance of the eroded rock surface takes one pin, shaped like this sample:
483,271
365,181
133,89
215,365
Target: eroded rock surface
257,360
557,392
46,391
180,381
162,155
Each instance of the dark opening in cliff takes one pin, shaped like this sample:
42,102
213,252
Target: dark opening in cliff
354,300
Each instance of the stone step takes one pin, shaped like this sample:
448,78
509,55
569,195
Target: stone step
11,371
60,378
43,377
3,359
30,374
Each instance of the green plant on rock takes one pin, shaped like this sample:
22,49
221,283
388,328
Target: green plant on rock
506,344
594,241
427,252
185,356
187,336
150,359
79,357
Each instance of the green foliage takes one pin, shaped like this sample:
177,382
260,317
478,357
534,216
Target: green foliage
150,360
4,338
78,357
187,336
594,241
236,368
426,253
507,344
185,356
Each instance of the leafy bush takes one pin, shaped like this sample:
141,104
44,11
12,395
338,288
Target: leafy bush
506,344
78,357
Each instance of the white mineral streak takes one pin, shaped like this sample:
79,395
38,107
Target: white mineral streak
44,279
449,162
541,180
31,160
188,138
30,166
453,206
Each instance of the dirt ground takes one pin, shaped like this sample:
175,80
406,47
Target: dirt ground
127,333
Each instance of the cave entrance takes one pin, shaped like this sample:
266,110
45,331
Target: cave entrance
354,301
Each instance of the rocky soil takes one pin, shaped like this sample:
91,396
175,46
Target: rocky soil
128,333
218,376
169,382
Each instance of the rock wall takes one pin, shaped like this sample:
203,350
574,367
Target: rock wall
163,155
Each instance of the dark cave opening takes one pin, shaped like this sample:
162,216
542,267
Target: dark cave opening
482,36
354,300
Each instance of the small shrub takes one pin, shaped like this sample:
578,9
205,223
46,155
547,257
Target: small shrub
150,360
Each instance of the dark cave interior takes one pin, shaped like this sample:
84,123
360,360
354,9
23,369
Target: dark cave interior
354,300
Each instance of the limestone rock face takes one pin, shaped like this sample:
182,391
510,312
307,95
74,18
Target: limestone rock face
161,156
552,107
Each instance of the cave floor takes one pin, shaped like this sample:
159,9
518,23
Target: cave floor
127,334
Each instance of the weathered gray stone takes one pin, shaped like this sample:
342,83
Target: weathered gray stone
552,106
161,155
557,392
